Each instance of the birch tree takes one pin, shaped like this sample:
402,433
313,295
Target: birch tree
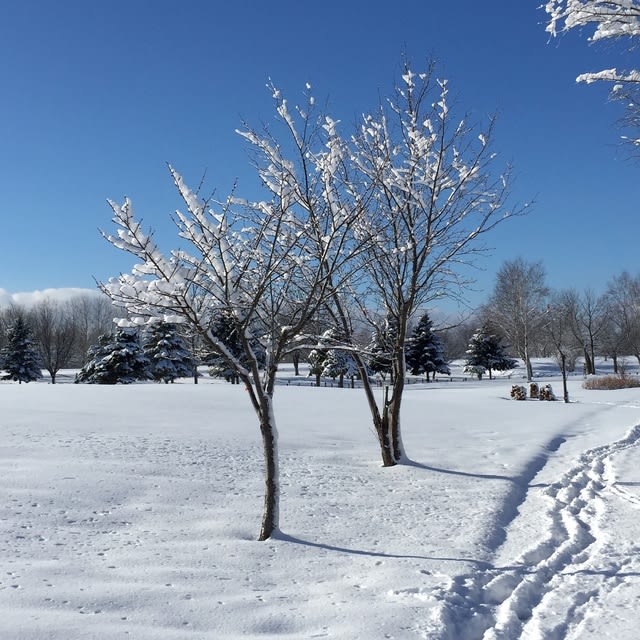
610,20
268,265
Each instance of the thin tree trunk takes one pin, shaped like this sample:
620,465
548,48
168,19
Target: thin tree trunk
392,406
295,356
588,365
270,518
563,362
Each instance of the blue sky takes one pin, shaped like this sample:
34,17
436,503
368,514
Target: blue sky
98,96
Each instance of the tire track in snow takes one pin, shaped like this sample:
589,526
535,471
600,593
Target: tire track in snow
503,604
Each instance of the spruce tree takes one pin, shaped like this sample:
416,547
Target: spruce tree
20,357
117,358
424,352
224,328
337,363
167,352
381,347
316,360
486,353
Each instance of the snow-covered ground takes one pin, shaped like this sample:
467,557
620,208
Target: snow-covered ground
132,511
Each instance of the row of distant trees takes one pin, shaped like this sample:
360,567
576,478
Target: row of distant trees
58,332
535,320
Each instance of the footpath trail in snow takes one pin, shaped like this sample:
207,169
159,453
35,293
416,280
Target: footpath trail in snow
573,563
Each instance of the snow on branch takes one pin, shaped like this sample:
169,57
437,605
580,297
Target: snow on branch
611,18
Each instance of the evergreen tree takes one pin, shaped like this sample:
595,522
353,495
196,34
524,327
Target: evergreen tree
167,353
424,352
225,329
117,358
316,359
20,357
486,353
381,347
337,363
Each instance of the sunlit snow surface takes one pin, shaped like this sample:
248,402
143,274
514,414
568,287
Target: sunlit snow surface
132,511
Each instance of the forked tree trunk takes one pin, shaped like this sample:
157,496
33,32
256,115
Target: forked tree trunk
380,425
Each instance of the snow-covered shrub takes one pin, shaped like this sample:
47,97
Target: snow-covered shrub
534,390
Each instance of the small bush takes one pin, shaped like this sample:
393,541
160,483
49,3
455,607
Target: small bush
611,382
534,390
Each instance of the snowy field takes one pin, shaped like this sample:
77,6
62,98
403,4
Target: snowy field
132,512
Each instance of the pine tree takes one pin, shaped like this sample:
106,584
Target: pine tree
486,353
316,360
380,348
167,353
424,352
117,358
225,329
337,363
20,357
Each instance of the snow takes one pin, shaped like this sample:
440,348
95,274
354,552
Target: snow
132,512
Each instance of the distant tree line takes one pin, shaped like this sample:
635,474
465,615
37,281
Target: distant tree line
53,334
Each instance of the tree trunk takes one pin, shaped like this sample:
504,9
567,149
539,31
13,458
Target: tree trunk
527,359
341,381
563,367
53,376
588,365
614,357
317,379
270,518
380,425
392,406
295,357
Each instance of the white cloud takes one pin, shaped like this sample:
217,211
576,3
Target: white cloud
29,298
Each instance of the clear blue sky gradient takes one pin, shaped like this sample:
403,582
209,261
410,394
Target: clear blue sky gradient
98,96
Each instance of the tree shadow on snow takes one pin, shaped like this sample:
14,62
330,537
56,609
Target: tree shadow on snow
285,537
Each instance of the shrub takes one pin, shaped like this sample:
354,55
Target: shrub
534,390
600,383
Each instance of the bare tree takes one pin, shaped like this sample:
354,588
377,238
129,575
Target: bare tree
612,20
93,316
431,192
518,304
623,301
587,316
55,334
557,324
269,265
